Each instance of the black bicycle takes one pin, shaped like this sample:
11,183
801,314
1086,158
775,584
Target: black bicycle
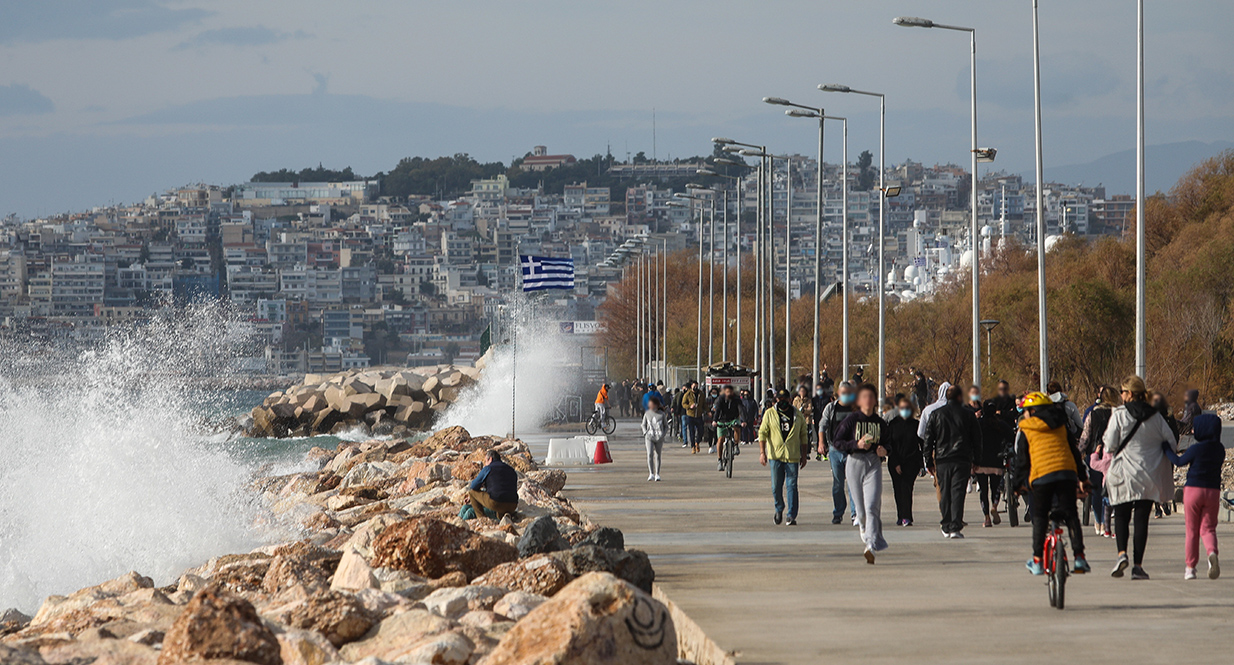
608,425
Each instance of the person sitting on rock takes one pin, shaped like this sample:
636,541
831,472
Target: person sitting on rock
495,489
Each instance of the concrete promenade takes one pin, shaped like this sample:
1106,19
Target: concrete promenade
804,594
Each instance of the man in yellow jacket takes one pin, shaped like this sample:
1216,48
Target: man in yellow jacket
1048,466
783,442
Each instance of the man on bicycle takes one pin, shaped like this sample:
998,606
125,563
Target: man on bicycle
728,418
1048,465
602,402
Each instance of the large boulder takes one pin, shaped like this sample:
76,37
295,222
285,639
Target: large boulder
543,575
541,536
335,614
552,480
398,635
432,548
607,537
596,619
217,624
303,647
632,566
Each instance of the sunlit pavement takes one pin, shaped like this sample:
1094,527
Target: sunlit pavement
804,594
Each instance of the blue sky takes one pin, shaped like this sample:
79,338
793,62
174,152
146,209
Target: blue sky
107,101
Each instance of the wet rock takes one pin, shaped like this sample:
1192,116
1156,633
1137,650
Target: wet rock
432,548
518,604
541,575
598,618
540,537
218,624
607,537
453,603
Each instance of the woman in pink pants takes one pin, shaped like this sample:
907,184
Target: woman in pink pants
1202,493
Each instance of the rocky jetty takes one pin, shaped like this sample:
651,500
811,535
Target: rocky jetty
382,401
385,572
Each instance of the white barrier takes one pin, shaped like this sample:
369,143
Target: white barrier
576,450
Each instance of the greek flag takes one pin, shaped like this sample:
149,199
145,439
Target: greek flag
542,272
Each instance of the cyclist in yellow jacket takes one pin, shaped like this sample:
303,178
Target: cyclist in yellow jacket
1048,466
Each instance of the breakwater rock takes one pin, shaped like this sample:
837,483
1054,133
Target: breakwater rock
382,401
384,571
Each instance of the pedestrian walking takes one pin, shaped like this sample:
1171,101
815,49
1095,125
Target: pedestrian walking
863,438
783,445
903,459
1095,424
805,404
951,443
996,438
655,429
1202,492
1075,422
833,414
691,403
1139,473
1191,409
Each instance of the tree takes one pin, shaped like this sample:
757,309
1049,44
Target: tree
866,173
427,288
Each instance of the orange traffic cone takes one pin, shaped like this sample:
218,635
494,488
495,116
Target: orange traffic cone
602,455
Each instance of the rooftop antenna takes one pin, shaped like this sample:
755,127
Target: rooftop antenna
653,135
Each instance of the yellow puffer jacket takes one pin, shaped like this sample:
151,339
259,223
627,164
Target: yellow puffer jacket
1049,450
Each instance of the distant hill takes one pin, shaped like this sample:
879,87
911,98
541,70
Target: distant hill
1164,164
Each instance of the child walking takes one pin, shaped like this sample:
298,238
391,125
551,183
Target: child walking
654,429
1202,493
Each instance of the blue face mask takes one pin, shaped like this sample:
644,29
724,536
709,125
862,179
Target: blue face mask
906,413
847,399
975,398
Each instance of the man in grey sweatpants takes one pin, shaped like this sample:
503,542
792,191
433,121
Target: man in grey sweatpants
863,437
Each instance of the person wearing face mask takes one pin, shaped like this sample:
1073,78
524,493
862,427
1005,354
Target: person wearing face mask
903,459
833,415
863,438
996,436
817,403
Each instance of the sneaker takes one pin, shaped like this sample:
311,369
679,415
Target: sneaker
835,520
994,516
1028,517
711,450
869,555
1137,573
685,445
1034,566
1098,529
855,522
1081,566
907,523
720,466
956,536
736,451
1120,566
792,521
651,477
1108,534
988,522
657,477
779,517
1189,574
946,533
1214,568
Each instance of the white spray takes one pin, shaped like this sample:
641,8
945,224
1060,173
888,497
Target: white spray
104,466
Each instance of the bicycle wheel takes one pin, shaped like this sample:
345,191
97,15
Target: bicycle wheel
1051,580
1013,509
1086,509
1060,574
728,458
610,425
591,426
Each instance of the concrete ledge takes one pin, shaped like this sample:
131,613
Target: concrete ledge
692,643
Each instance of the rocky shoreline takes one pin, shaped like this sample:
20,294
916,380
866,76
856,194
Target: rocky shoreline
380,401
385,572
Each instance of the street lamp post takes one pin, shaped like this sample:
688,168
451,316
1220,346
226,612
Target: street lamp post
1141,274
882,204
989,325
760,326
727,241
915,22
1043,348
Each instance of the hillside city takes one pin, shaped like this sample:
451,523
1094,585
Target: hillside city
340,275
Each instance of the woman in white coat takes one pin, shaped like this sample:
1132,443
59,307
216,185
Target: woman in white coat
1139,474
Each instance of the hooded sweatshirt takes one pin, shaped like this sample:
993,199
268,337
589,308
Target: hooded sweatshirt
938,404
1205,456
856,426
1044,450
1138,470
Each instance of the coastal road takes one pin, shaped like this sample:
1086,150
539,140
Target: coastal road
804,594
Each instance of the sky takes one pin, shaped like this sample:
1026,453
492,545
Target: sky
109,101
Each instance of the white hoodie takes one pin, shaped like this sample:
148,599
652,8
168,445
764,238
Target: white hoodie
926,412
653,425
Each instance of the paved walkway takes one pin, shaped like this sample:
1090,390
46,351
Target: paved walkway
805,594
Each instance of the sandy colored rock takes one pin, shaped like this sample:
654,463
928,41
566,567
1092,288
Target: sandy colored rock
596,619
335,614
543,575
353,572
431,548
552,480
303,647
453,603
518,604
101,652
218,624
394,635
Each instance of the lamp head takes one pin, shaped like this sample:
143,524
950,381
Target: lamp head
729,162
835,87
778,101
801,113
732,148
913,22
751,152
722,141
891,191
985,155
706,172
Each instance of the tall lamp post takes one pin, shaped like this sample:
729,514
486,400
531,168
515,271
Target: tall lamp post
915,22
698,356
882,204
770,260
1043,348
802,111
1141,274
727,241
737,147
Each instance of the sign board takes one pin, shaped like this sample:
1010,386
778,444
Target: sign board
581,327
738,383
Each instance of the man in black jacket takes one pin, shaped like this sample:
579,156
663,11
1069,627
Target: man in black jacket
495,489
952,441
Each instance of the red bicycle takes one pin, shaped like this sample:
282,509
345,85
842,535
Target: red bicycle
1054,559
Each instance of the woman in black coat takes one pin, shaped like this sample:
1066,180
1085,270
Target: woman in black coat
904,459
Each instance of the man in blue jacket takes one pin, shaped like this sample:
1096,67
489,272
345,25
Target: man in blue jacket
495,489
